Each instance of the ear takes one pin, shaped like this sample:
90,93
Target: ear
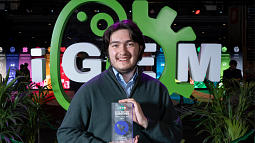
140,49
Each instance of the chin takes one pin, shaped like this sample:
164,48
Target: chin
124,70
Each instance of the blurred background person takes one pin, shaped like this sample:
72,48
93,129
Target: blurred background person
249,73
232,71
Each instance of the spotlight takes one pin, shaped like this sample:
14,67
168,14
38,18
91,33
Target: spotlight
52,8
7,7
219,8
28,9
197,12
152,11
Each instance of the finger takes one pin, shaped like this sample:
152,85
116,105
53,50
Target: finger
136,139
127,100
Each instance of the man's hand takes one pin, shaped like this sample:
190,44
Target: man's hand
135,140
138,115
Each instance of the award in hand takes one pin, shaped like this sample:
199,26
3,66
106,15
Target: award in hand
122,122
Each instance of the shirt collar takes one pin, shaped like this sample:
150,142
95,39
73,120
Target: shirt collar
119,76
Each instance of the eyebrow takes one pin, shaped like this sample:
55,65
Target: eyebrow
113,42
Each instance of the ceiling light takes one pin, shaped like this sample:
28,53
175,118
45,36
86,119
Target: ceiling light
152,11
49,24
19,32
174,24
33,37
99,24
27,10
224,24
130,11
224,37
203,32
45,42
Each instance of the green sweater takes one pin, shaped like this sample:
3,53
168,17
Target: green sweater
88,119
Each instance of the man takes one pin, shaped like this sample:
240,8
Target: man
88,118
232,71
249,73
26,72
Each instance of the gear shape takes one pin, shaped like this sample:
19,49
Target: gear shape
159,30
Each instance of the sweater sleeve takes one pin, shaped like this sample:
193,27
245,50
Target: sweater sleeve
168,128
76,121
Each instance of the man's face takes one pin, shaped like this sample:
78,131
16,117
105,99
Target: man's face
123,51
233,66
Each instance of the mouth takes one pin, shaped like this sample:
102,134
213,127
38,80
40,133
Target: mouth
123,59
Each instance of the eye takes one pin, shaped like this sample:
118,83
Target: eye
130,44
115,45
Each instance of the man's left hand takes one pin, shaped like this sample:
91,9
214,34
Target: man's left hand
138,115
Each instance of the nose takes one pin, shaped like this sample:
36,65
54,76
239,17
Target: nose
122,49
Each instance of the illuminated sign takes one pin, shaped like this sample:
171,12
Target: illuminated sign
12,49
25,50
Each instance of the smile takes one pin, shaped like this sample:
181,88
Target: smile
123,59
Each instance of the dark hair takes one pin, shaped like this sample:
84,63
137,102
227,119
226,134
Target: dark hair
134,32
233,62
25,64
21,66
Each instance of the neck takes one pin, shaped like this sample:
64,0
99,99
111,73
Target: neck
232,69
128,76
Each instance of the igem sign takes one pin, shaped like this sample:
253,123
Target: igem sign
158,29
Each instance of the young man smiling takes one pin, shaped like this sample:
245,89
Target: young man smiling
88,118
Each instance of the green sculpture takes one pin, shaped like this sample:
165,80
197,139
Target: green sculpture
158,29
